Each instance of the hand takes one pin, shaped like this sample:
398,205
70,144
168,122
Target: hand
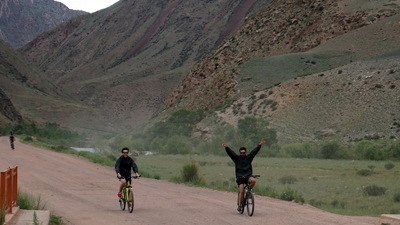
137,175
261,142
224,144
119,176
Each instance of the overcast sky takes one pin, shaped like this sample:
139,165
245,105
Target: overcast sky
87,5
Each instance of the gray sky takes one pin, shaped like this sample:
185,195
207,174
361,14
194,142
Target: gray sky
87,5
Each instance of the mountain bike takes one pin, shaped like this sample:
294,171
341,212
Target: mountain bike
248,199
127,196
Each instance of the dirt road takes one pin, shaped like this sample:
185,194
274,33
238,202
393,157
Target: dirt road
85,193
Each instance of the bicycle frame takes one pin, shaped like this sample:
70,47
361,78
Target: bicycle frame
127,196
126,189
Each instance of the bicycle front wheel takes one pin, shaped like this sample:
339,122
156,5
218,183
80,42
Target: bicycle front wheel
122,204
131,202
250,203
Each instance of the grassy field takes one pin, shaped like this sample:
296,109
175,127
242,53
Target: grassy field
332,185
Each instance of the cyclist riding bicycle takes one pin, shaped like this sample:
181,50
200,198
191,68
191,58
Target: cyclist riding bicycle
243,168
12,139
123,167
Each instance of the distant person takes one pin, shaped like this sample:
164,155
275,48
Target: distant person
123,167
243,168
12,139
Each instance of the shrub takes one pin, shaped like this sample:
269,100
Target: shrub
254,129
389,166
290,179
396,197
329,150
177,145
190,172
364,172
373,190
369,150
301,150
337,204
29,202
55,220
291,195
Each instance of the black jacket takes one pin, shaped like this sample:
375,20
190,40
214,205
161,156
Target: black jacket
123,165
243,167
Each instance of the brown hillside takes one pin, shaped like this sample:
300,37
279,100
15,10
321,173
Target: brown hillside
282,27
333,103
127,59
30,97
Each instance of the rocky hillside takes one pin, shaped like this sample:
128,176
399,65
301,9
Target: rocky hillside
257,68
8,111
127,59
22,20
28,96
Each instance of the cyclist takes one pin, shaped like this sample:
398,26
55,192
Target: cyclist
12,139
123,167
243,168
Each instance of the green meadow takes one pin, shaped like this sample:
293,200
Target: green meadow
348,187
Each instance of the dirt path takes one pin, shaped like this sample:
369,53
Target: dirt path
85,193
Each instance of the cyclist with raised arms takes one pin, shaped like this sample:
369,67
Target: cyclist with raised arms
243,167
123,167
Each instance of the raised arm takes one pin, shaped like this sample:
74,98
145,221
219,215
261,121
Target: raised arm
254,152
229,151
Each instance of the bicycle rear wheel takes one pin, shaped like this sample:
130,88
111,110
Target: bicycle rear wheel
250,203
131,202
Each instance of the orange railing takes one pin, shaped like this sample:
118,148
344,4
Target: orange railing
9,189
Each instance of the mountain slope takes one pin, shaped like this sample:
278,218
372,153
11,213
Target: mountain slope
22,20
30,97
271,49
126,60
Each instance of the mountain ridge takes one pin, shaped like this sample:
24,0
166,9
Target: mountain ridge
22,20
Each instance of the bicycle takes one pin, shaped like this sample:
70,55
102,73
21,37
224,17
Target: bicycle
248,199
127,196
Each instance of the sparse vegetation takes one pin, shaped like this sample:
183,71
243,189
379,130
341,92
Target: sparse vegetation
30,202
190,175
365,172
290,194
373,190
289,179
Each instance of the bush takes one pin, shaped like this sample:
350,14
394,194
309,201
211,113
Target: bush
329,150
291,195
301,150
369,150
254,129
177,145
373,190
290,179
396,197
389,166
29,202
365,172
190,172
55,220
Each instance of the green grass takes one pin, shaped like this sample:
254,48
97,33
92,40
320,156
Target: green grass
31,202
332,185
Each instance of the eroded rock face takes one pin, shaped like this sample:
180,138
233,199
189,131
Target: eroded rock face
8,110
